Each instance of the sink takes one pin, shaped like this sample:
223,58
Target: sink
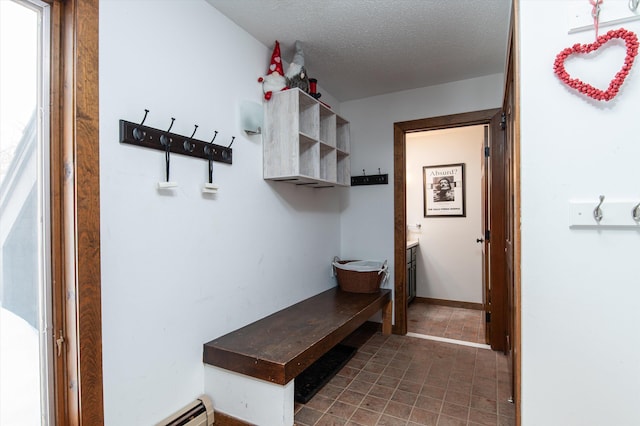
412,243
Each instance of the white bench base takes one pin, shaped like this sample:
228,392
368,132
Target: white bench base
246,398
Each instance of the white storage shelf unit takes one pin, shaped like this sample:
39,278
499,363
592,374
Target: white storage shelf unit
305,142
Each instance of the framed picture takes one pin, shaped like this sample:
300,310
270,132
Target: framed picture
444,194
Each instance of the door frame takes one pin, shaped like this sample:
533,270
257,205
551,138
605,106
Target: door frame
75,212
400,129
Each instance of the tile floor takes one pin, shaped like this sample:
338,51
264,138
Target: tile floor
401,380
445,321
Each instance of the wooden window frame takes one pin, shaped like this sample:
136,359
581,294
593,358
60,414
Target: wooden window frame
75,212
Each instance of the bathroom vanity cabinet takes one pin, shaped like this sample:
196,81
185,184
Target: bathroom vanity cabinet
412,249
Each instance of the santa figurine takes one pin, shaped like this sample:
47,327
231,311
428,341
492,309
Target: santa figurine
274,81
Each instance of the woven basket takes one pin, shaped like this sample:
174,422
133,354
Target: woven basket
358,281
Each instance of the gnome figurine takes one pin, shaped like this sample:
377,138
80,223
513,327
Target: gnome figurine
296,74
274,81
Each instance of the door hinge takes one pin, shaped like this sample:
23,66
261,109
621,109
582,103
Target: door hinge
487,235
503,121
59,342
487,316
487,150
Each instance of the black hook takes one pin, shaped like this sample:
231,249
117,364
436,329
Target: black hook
363,173
232,139
379,171
190,146
140,134
210,151
164,140
146,111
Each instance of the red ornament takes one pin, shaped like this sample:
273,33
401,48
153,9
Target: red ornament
631,42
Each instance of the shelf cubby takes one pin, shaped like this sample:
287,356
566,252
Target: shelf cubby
305,142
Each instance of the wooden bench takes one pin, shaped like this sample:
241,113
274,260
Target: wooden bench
277,348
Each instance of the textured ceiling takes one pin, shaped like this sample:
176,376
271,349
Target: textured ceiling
362,48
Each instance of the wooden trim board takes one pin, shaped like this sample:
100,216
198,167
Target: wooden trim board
451,303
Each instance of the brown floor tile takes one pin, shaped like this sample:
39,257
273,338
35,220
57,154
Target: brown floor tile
307,416
398,409
455,410
429,404
482,417
399,380
365,417
341,381
403,397
506,421
342,410
459,398
462,386
462,376
438,382
381,391
423,417
320,403
373,403
330,391
433,392
393,372
374,367
329,420
483,404
450,421
348,371
351,397
387,420
409,386
390,382
367,376
360,386
506,409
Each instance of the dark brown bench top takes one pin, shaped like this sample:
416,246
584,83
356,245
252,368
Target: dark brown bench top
279,347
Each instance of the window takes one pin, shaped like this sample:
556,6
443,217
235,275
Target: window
49,202
25,296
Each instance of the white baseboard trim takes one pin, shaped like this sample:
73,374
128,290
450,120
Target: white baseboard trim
445,340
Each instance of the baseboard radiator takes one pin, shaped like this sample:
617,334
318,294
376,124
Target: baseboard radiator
197,413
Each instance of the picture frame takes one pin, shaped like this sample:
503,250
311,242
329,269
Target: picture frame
444,190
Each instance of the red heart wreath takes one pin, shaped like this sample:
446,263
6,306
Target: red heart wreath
631,42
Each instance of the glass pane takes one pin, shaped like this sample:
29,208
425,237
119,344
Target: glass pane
23,348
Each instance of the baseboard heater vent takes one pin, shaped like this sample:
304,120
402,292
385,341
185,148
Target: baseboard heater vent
197,413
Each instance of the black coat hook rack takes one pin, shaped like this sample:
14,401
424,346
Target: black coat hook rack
379,179
163,140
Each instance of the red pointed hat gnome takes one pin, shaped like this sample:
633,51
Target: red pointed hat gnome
274,81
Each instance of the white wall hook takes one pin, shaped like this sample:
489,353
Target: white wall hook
597,212
635,212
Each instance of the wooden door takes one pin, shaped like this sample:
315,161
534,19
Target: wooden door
399,196
497,315
484,239
511,171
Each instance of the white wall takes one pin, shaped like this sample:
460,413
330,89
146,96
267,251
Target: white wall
182,269
449,260
580,288
367,219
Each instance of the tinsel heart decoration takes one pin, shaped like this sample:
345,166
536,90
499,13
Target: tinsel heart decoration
631,42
